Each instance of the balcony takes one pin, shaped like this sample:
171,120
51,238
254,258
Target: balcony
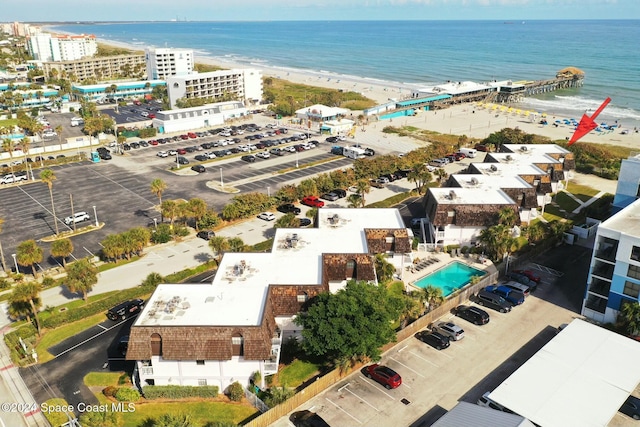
600,287
603,270
596,303
607,249
146,370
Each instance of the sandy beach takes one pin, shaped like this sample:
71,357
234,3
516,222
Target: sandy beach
471,119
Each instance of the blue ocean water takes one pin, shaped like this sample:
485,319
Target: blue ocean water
423,52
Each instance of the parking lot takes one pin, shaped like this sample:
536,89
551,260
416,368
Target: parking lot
434,381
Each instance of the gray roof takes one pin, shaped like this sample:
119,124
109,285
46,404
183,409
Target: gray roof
469,414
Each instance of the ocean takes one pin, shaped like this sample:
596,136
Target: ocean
422,53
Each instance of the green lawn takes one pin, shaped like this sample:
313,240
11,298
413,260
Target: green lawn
104,379
296,373
582,192
199,412
566,202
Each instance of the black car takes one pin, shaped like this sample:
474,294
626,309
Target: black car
631,407
198,168
201,157
307,419
402,173
305,222
339,192
206,234
250,158
289,208
126,147
471,314
126,309
434,339
182,160
369,152
104,155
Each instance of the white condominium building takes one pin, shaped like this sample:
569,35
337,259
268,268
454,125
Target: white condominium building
61,47
163,63
244,84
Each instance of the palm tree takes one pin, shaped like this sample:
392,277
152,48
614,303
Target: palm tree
384,269
28,293
432,297
82,275
507,216
28,253
170,209
58,130
157,187
112,247
220,245
355,200
62,249
197,209
47,176
363,186
630,317
236,244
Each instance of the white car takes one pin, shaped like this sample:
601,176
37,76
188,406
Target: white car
173,153
263,155
162,154
11,178
144,114
211,155
77,217
267,216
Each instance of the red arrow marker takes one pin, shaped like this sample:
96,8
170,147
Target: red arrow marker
587,124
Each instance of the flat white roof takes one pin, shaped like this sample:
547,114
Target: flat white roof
580,378
508,169
227,304
470,196
537,148
526,157
626,221
479,181
341,219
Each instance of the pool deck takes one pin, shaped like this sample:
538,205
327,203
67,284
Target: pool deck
411,274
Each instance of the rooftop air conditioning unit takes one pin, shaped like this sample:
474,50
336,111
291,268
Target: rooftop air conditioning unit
523,148
509,158
452,195
474,181
494,168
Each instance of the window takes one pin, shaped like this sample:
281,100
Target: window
202,382
635,253
200,362
631,289
634,272
156,345
303,297
237,344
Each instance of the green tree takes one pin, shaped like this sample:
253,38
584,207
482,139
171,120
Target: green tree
170,209
82,276
158,187
352,324
363,187
507,216
101,419
384,269
28,293
432,297
62,248
47,176
28,253
287,221
219,245
355,200
197,209
112,247
236,244
630,317
140,237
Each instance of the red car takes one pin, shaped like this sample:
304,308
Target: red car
383,375
529,274
192,135
182,151
153,142
312,201
184,136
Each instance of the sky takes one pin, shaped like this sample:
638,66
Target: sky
296,10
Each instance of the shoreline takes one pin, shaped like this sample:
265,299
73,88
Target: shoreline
465,119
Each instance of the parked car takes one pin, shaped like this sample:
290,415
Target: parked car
521,278
289,208
513,296
369,152
383,375
481,147
494,301
631,407
307,419
206,234
77,217
530,275
305,222
332,197
434,339
126,309
249,158
511,284
267,216
182,160
471,314
263,155
449,329
198,168
201,157
312,201
339,192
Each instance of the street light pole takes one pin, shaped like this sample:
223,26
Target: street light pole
296,159
221,181
95,214
155,223
15,261
268,191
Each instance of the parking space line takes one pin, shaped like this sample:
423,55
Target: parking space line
412,370
422,358
352,417
377,388
360,398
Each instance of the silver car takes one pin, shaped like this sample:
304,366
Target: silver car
451,330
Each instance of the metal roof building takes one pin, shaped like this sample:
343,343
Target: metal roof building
469,414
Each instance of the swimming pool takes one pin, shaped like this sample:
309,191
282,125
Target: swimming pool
449,278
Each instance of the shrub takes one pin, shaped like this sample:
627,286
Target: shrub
48,282
4,284
162,234
110,391
178,392
235,392
125,394
278,395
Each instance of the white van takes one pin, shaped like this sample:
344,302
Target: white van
469,152
439,163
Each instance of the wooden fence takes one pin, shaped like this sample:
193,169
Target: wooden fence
322,383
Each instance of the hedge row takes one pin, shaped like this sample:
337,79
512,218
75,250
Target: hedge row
178,392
